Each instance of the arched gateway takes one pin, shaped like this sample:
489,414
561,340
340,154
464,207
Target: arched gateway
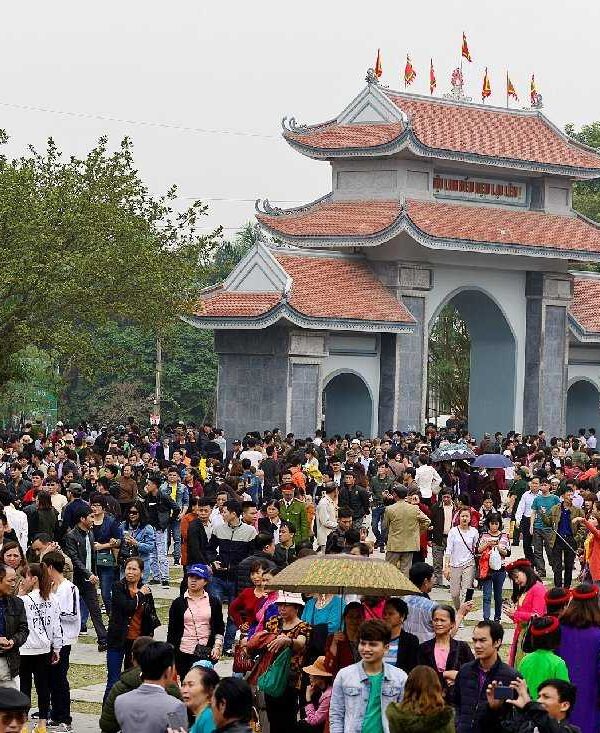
432,200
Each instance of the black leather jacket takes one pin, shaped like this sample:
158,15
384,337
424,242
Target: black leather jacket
75,547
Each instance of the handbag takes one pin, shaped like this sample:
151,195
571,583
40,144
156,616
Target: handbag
242,661
105,559
274,681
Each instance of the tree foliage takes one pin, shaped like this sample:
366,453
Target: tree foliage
586,194
449,363
85,246
128,358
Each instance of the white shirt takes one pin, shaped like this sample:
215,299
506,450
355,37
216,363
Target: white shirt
67,598
461,553
216,518
18,521
427,478
326,519
592,441
524,508
255,457
448,514
59,502
43,622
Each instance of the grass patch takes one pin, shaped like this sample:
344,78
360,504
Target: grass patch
87,708
82,675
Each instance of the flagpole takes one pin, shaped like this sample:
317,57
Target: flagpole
507,89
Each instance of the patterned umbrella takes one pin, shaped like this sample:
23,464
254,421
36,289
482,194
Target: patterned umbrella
453,452
343,574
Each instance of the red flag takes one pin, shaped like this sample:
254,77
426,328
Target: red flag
510,89
486,89
432,82
409,73
378,70
465,49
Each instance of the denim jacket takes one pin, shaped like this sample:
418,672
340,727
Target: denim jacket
182,495
351,694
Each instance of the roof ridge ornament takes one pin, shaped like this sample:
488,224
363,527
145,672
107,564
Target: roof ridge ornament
267,208
289,125
371,77
456,93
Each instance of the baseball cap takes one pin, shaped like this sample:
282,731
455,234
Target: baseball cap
199,571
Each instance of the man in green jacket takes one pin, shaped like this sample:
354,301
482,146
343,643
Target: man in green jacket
294,511
129,680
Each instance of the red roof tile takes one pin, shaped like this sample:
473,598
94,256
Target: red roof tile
584,306
506,226
340,288
223,304
336,219
459,128
333,137
322,287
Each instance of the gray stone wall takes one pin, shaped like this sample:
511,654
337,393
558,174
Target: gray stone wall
388,363
411,368
534,289
554,373
252,380
304,379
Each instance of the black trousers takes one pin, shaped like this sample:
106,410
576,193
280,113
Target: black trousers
563,557
87,591
38,667
60,690
183,663
283,711
527,538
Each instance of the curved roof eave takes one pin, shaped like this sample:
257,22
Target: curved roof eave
404,224
284,311
585,337
409,141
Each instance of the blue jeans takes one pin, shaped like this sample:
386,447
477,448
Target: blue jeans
175,535
223,590
495,582
159,564
114,664
107,577
376,517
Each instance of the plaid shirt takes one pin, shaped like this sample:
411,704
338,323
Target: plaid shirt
418,621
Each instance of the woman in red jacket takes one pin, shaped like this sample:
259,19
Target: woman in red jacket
530,601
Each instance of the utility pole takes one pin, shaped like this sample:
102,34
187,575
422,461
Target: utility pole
157,378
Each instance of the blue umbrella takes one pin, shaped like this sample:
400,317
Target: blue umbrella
492,460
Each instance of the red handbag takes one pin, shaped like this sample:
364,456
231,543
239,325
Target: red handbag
242,661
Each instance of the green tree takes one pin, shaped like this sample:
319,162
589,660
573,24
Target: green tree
449,363
85,246
586,194
126,366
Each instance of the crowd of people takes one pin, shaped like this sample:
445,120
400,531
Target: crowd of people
91,516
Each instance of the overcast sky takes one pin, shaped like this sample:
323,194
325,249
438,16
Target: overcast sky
239,67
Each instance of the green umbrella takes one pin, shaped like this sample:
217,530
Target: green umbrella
343,574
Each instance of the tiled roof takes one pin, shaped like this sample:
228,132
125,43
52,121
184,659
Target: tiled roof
233,304
336,218
506,226
491,132
322,287
584,306
340,288
454,128
438,220
333,136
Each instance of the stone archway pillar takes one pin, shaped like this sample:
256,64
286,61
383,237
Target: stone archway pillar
546,352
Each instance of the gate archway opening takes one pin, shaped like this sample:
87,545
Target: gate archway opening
583,406
476,355
347,405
